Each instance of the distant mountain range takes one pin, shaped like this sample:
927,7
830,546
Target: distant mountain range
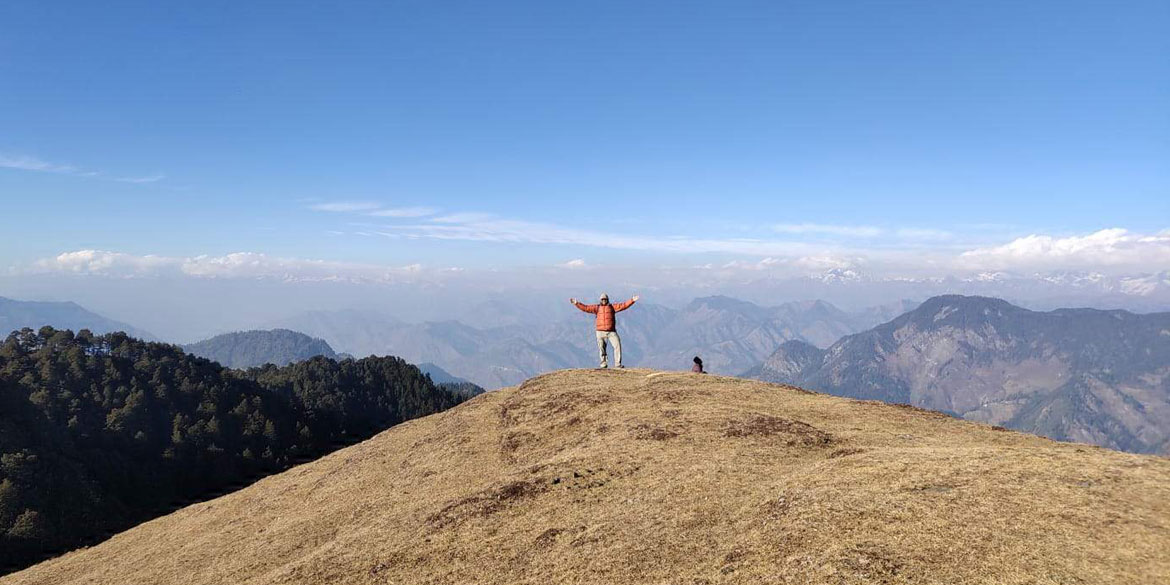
1087,375
729,334
247,349
59,315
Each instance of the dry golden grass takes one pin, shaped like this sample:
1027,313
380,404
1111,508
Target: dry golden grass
631,476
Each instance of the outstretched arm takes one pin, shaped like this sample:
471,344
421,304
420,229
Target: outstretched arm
583,306
625,305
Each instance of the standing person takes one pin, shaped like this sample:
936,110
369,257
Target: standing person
606,326
698,367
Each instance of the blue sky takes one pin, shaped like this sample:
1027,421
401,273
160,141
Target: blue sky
478,135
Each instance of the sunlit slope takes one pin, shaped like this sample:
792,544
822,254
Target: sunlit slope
635,476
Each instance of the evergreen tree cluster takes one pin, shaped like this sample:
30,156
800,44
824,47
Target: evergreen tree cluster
464,389
100,432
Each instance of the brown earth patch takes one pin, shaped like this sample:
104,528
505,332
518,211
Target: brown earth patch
547,538
777,508
653,433
794,432
486,503
507,416
732,559
570,402
587,478
510,442
845,452
870,563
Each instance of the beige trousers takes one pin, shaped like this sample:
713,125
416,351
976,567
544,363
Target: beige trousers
615,341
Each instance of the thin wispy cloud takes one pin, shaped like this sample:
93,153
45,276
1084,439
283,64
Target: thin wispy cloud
923,234
30,163
810,246
849,231
346,206
1102,249
862,231
404,212
142,180
374,209
23,162
484,227
487,227
467,217
479,227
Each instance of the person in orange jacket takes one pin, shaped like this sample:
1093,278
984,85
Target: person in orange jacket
606,326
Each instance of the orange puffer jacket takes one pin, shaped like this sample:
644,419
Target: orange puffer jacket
605,320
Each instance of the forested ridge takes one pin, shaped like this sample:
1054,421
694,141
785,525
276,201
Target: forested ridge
247,349
100,432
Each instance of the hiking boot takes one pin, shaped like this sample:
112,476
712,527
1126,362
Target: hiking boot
621,367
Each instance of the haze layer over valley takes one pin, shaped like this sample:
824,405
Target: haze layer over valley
511,345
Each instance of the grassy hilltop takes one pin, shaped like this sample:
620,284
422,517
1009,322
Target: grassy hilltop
636,476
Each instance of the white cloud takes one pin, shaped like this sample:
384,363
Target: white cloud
104,263
825,262
764,264
1115,247
346,206
849,231
252,264
1111,251
404,212
238,265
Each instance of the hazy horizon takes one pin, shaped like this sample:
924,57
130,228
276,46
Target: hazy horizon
183,310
